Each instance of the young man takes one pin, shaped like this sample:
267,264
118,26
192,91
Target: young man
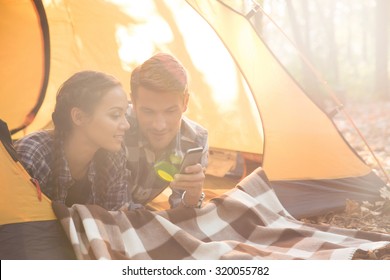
159,132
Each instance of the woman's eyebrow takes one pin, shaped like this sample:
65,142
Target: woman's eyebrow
117,108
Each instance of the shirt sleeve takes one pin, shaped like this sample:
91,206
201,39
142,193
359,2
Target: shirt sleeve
118,175
31,153
175,198
205,155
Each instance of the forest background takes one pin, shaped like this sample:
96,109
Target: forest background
338,51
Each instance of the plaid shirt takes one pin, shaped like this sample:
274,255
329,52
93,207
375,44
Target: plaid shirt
144,184
36,155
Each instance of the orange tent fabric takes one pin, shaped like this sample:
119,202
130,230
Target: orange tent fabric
239,90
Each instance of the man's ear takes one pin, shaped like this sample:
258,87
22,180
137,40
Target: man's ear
78,116
185,101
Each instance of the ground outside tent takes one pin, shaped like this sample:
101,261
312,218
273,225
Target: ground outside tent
374,121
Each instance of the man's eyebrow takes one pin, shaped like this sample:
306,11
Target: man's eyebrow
169,108
145,108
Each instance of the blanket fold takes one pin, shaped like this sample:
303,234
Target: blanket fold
247,222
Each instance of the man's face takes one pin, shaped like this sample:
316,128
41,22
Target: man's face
159,116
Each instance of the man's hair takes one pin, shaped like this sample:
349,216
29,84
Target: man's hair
162,72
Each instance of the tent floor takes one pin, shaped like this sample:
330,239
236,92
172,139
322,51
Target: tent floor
213,182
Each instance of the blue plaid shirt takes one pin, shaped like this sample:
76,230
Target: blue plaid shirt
36,155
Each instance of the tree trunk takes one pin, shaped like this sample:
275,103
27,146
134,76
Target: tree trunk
381,54
365,27
329,29
309,81
306,15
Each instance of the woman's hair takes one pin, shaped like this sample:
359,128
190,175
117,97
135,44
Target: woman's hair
83,90
162,72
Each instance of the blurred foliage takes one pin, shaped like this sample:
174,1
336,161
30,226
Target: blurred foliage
341,38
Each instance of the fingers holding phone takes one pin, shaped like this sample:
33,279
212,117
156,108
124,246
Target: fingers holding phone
191,177
192,180
191,171
192,185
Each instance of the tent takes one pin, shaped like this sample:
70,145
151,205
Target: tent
240,91
28,227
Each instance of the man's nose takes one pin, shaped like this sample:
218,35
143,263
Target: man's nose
159,123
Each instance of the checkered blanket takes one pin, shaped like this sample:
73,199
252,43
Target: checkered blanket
247,222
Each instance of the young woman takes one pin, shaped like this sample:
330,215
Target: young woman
83,159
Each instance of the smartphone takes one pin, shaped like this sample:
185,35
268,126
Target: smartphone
191,157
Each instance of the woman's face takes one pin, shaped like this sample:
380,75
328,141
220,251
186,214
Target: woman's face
105,127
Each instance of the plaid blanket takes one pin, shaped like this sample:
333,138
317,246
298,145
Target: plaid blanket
247,222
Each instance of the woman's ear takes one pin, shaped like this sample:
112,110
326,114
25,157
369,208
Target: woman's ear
78,116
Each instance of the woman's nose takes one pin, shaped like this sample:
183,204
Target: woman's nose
125,124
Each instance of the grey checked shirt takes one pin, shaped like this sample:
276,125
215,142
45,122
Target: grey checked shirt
144,184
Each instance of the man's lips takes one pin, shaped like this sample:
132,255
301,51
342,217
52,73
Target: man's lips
158,134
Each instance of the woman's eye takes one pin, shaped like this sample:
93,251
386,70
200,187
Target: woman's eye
115,116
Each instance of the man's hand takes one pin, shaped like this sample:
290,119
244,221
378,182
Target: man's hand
192,182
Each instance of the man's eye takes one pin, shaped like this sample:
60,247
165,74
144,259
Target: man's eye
147,112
